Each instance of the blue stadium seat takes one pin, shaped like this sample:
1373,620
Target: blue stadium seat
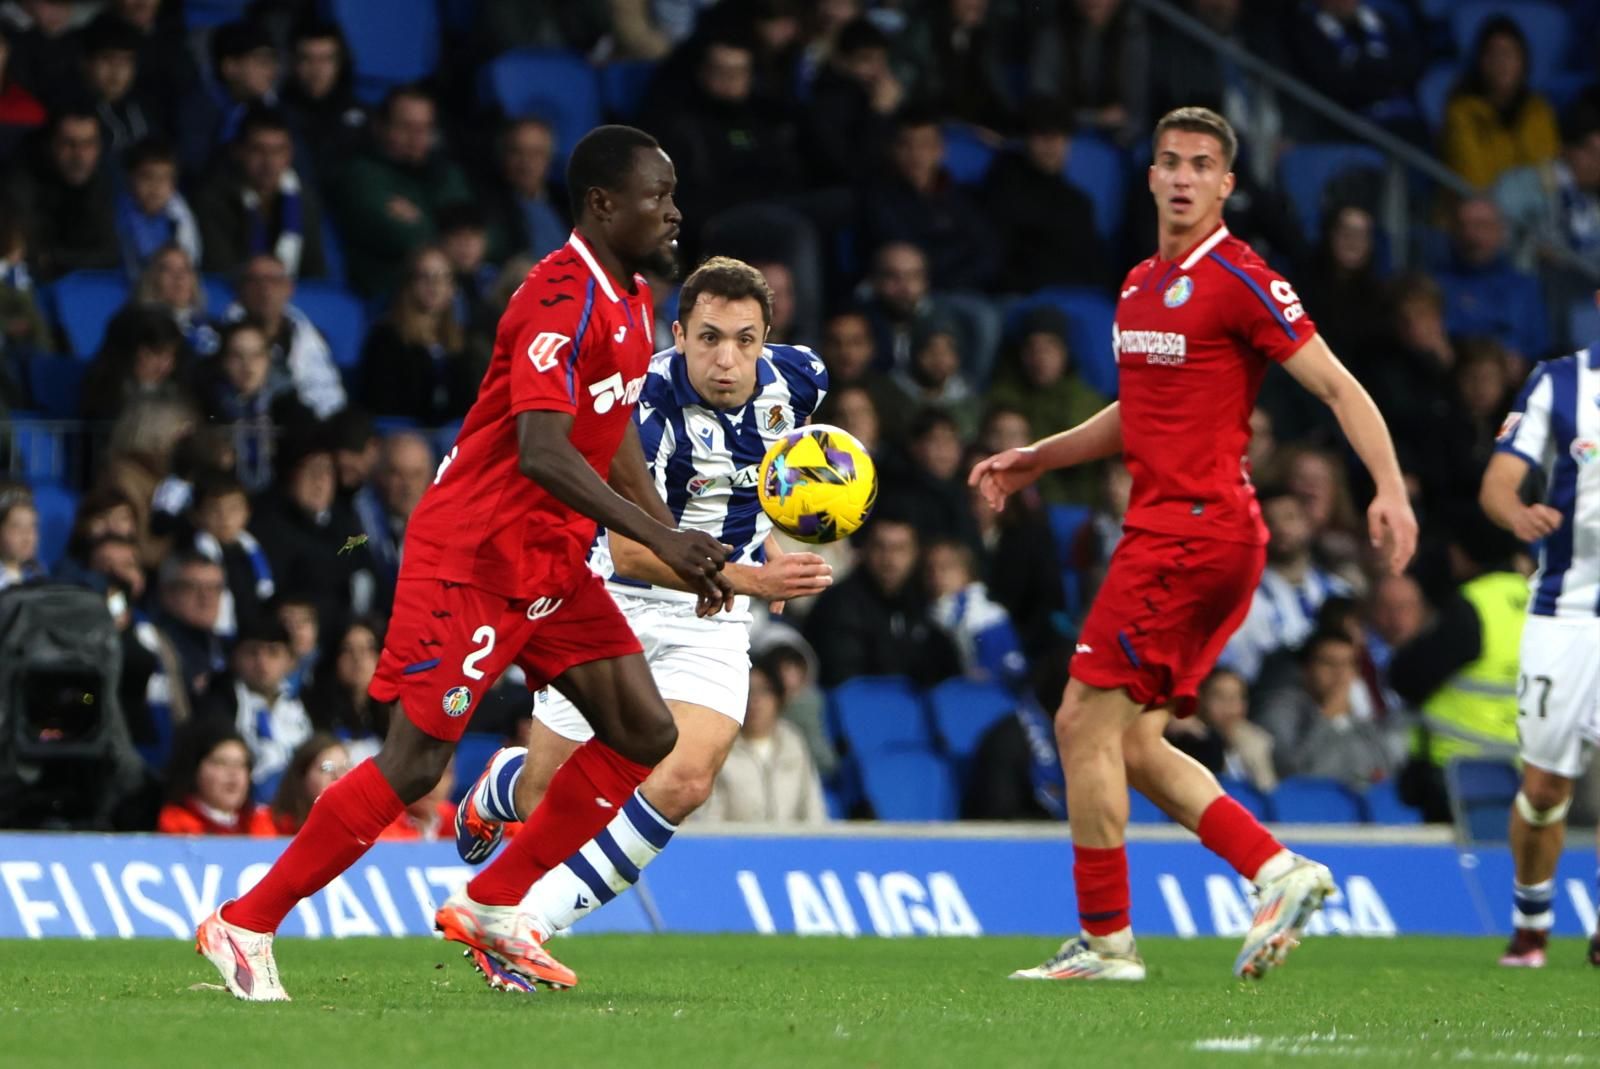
55,383
556,86
39,451
964,710
966,156
878,713
1090,315
57,507
1481,792
1065,523
1305,171
333,253
1545,25
1433,92
623,85
444,438
1314,800
219,294
1247,795
1142,810
909,785
391,43
203,14
1100,169
340,317
1385,807
472,753
84,303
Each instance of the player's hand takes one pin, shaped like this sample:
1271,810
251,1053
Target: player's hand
1003,474
402,209
793,575
697,558
1535,522
721,601
1393,529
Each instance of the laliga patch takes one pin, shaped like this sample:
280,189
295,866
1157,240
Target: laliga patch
1179,292
457,700
1509,426
1585,450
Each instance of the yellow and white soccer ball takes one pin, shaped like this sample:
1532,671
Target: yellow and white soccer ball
817,483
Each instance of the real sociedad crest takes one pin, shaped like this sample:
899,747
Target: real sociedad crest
1179,292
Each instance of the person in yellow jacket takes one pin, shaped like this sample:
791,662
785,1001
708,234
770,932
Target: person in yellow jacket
1461,673
1494,121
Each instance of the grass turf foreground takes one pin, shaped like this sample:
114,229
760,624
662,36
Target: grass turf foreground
654,1001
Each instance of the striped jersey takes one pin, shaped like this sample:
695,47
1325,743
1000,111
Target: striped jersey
705,459
1555,427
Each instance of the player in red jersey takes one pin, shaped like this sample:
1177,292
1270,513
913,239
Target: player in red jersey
495,573
1196,326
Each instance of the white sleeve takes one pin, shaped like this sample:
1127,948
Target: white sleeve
1526,430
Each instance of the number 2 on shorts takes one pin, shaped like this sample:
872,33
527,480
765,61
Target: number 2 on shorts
469,666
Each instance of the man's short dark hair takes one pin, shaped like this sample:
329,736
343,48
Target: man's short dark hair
730,279
315,29
1200,121
412,90
461,215
1322,637
178,560
141,326
929,419
71,113
260,119
230,331
150,150
109,33
239,38
859,35
1270,492
603,159
214,485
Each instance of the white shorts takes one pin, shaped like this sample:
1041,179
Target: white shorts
694,660
1558,704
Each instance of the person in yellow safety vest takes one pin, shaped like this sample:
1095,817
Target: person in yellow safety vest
1461,673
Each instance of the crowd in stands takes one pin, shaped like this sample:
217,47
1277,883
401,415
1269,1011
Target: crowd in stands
307,259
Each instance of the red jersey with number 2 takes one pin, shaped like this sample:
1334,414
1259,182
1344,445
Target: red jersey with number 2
1193,337
571,340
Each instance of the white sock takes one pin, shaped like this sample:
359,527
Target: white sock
496,797
1273,867
603,867
1533,905
1119,942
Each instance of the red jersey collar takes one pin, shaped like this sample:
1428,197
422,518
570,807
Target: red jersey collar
1199,251
582,249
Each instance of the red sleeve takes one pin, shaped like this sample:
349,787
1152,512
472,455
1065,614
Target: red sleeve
548,319
1270,318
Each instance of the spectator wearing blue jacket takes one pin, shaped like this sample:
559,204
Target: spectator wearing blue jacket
1484,293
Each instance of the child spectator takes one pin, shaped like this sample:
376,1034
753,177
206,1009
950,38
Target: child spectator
316,764
208,785
252,697
415,362
19,539
793,664
1221,736
138,360
152,214
933,378
981,628
1314,728
221,516
769,777
925,485
169,281
298,615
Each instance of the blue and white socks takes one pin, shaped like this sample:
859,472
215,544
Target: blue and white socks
603,868
496,795
1533,905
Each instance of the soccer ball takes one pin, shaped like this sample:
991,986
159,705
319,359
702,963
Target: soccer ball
817,483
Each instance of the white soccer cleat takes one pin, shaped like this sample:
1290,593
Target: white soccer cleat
1077,960
1284,907
243,957
502,943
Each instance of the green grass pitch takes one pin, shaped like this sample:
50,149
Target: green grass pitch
750,1001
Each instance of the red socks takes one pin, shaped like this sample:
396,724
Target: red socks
1100,875
573,811
1228,830
344,822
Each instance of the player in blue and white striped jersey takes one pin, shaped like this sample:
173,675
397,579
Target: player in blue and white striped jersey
707,412
1553,428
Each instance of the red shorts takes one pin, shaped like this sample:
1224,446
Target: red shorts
448,642
1168,605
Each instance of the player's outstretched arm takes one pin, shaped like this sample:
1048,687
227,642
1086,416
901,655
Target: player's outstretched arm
546,455
1501,499
1003,474
1390,522
784,575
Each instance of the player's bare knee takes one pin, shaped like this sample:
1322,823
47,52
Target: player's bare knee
681,790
